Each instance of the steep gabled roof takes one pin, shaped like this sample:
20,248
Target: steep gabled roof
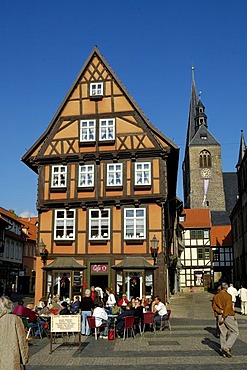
242,149
37,146
196,218
201,133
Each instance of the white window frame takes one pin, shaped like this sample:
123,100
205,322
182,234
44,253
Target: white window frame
114,174
87,130
135,221
99,218
96,88
64,226
86,176
143,173
59,176
107,129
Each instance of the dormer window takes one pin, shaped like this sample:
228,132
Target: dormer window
59,176
96,89
204,137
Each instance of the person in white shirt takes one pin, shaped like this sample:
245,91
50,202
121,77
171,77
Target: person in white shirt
111,300
101,317
243,297
234,293
160,311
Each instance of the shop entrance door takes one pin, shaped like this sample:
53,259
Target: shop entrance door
134,284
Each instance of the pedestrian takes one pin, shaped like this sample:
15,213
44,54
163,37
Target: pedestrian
111,300
160,311
217,330
243,297
234,293
14,346
87,306
95,296
228,326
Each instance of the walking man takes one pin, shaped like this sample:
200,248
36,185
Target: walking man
234,293
222,306
243,297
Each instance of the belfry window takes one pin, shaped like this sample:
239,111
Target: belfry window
205,160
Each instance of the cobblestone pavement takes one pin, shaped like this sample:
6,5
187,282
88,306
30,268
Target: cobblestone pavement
192,342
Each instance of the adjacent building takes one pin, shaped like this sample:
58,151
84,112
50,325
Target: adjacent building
106,183
239,218
208,189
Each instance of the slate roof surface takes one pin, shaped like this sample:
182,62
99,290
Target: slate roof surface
220,218
134,262
230,184
63,263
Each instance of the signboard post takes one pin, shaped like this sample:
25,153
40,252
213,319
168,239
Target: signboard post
65,324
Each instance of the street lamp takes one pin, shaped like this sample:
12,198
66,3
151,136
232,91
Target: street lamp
43,252
154,248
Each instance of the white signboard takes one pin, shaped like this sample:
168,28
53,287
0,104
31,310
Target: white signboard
65,323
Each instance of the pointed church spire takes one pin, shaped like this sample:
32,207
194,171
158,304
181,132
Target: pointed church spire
242,149
192,111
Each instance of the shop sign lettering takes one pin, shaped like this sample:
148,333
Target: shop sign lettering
99,268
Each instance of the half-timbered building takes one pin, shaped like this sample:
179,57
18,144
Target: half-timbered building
105,177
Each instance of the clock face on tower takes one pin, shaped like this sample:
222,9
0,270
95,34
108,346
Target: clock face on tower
206,173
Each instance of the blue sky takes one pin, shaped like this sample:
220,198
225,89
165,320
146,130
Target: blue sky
150,45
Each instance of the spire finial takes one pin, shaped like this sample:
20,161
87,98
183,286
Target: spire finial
193,71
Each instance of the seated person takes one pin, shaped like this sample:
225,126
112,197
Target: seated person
55,306
144,303
138,311
42,307
34,321
20,309
160,311
101,317
75,306
123,301
65,309
129,311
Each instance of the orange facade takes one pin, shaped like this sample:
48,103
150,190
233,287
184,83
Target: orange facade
105,174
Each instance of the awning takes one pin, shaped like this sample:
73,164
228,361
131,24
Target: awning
138,263
65,263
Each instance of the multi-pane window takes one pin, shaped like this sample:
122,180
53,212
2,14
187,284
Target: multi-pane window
199,234
96,88
59,176
135,223
107,129
114,174
99,224
64,224
205,160
203,253
86,176
143,173
87,130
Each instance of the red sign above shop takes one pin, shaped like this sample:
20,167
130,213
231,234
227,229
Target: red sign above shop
99,268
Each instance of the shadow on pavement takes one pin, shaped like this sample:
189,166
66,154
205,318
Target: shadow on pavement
211,344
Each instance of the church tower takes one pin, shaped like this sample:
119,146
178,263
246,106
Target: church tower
202,167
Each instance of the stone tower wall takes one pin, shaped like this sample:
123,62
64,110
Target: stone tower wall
215,195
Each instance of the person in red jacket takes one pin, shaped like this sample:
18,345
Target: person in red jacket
123,301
